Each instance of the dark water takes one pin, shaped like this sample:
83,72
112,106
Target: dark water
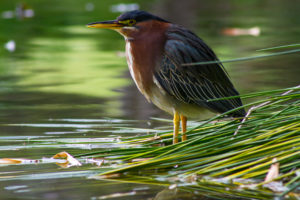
67,88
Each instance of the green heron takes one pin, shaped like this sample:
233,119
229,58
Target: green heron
156,51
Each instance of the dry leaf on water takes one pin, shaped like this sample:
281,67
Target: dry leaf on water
70,160
7,161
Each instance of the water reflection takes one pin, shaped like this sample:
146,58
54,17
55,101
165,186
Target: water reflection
65,87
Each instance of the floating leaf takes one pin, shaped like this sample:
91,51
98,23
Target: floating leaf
10,161
70,160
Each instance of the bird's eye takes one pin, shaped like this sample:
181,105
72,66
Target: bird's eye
128,22
131,22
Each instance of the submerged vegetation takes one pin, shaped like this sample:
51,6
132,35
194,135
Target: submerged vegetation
223,152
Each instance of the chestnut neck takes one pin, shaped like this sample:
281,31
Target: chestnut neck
146,48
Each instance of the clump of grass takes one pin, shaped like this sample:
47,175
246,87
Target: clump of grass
225,149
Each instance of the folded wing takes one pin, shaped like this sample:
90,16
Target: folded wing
198,83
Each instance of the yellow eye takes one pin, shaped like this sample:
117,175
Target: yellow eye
129,22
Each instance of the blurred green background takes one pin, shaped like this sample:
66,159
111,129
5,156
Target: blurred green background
58,62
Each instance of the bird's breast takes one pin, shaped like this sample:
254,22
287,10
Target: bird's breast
142,61
144,52
135,70
141,71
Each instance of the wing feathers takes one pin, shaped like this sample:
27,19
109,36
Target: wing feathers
195,84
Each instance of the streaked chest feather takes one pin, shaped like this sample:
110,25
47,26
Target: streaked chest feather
144,51
150,88
142,62
135,74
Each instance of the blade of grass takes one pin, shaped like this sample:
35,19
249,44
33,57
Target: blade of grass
244,58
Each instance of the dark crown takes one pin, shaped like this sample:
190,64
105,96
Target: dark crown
139,16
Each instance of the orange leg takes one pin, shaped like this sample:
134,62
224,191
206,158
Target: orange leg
183,127
176,122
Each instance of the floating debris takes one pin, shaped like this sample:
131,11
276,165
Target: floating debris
95,162
122,7
255,31
10,161
10,46
70,160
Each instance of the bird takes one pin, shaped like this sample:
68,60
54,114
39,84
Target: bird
157,51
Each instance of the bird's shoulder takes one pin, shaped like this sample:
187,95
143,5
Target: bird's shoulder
182,46
187,38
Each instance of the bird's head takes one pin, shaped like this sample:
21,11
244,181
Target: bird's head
130,24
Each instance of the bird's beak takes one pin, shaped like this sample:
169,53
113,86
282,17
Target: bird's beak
113,24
